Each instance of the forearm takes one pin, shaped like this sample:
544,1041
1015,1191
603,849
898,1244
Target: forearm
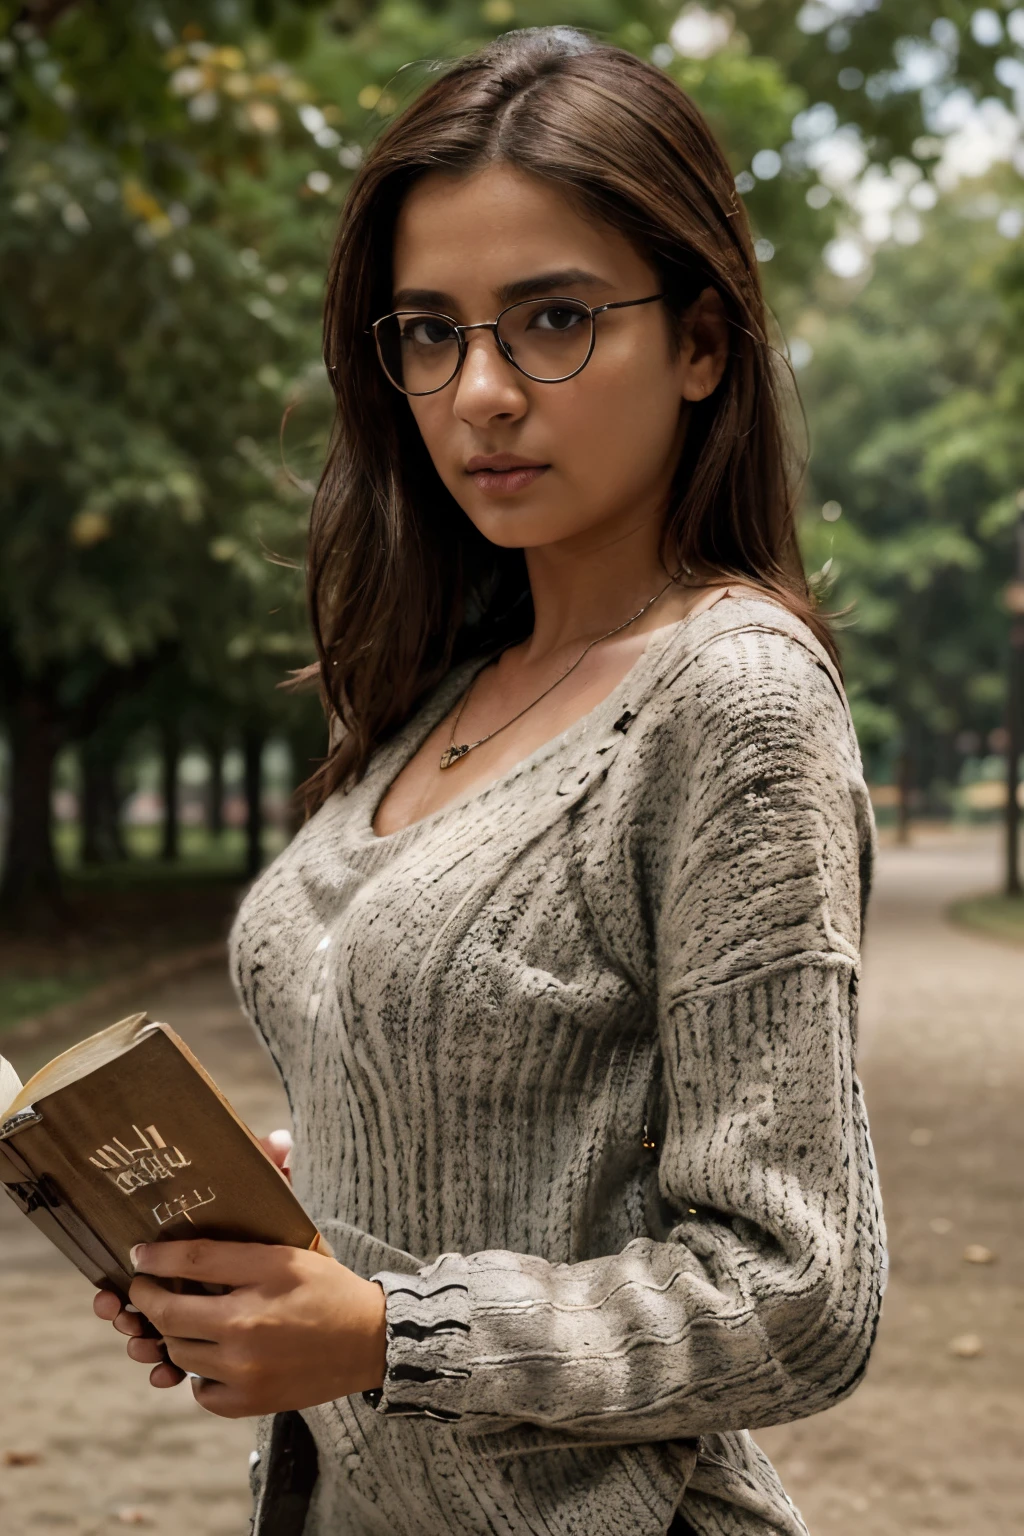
760,1307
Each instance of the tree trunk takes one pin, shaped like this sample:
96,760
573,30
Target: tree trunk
215,790
295,814
905,788
30,891
89,796
252,750
100,805
170,757
308,747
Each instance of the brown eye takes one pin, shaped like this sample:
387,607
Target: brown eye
427,331
556,317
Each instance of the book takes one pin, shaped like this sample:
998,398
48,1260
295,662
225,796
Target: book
124,1139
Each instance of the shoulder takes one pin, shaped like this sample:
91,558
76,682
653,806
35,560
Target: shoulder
749,733
747,668
742,755
753,763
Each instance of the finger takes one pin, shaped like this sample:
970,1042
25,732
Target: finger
185,1316
219,1398
278,1154
196,1357
107,1304
130,1323
165,1375
280,1143
146,1351
205,1258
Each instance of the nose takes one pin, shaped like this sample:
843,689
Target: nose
488,386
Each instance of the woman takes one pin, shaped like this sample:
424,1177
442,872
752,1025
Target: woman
561,975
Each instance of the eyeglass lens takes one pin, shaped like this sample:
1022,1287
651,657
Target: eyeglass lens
546,339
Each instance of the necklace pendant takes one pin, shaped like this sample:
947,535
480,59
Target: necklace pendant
452,754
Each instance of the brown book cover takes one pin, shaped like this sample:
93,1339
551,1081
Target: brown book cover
124,1139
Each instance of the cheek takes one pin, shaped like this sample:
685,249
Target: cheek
622,420
437,427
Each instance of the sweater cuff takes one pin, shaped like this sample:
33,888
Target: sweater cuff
427,1358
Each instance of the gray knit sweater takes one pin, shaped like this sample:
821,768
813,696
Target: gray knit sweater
571,1066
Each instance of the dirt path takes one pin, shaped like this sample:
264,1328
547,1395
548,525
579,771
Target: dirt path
931,1441
113,1450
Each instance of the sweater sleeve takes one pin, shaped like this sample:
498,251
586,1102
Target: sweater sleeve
761,1303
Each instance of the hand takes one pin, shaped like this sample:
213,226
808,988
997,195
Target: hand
278,1147
297,1329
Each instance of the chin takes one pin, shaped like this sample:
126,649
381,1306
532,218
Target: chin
526,527
513,533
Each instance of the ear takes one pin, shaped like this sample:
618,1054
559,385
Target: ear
704,345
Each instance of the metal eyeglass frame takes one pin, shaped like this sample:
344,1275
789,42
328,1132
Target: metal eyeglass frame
492,326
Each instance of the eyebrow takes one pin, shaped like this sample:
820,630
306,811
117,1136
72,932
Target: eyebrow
544,283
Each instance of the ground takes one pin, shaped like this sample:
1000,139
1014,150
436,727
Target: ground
932,1441
116,922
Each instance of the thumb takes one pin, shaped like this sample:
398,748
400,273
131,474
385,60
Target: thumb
278,1146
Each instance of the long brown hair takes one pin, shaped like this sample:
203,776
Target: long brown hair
401,584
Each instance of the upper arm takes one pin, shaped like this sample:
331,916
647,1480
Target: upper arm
767,843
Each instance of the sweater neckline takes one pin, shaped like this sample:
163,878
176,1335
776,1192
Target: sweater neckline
393,757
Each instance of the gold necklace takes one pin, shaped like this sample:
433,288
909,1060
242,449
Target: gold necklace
452,753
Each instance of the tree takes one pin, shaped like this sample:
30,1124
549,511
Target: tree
916,396
169,175
148,359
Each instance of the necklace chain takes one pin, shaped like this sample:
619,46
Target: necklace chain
452,753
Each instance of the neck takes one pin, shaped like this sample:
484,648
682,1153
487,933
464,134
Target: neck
587,585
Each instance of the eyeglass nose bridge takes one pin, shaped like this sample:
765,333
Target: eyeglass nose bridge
481,325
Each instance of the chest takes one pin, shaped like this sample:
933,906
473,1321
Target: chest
457,946
507,712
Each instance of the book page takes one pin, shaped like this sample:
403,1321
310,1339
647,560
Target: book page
10,1086
76,1062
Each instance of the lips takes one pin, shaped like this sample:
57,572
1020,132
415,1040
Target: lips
503,474
507,482
500,463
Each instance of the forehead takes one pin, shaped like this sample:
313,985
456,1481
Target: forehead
473,233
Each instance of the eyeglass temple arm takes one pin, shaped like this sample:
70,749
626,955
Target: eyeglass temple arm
626,303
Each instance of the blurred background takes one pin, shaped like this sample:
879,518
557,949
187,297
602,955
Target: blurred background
170,179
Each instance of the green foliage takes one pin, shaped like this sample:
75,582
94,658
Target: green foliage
154,341
881,66
916,432
170,175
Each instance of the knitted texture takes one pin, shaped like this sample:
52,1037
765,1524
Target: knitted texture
571,1068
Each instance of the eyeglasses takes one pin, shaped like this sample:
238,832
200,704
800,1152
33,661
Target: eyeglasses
548,340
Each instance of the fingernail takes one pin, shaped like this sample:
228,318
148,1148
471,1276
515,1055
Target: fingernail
136,1251
129,1308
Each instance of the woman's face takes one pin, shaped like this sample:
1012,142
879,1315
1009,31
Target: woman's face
597,452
